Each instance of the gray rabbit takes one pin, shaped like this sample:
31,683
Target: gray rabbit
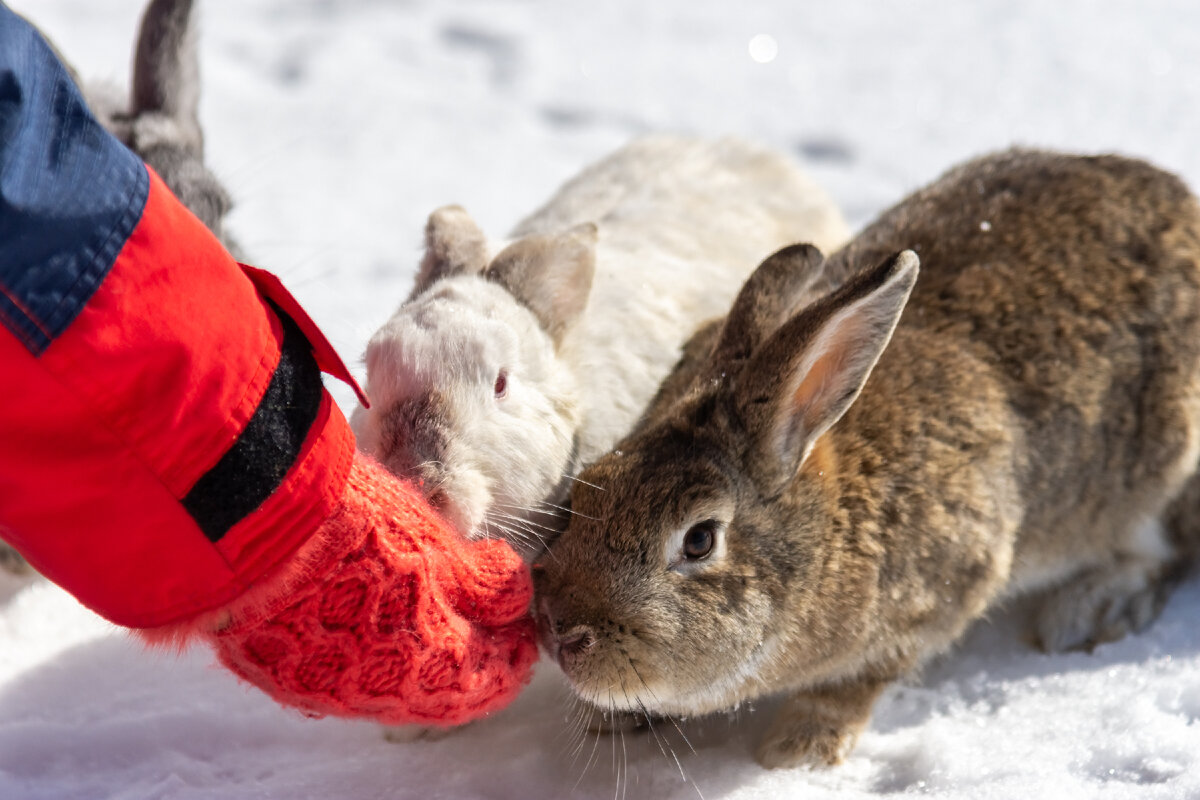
808,510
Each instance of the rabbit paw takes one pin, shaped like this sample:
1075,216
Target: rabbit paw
1100,606
818,728
804,742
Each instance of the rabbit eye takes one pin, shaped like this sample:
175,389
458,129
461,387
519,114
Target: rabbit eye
501,386
699,540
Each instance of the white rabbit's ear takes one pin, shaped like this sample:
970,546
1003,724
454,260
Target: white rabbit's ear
805,377
454,245
551,275
166,71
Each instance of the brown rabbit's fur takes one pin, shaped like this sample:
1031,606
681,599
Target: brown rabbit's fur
1033,424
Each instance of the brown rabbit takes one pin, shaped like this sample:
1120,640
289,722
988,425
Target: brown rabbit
780,523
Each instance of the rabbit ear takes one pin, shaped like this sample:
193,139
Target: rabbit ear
772,292
807,374
454,245
163,125
551,275
166,70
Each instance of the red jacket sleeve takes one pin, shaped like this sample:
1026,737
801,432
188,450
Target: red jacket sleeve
165,438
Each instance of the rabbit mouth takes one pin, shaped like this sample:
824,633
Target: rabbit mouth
607,674
599,671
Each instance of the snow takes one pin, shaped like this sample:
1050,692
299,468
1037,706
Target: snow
338,126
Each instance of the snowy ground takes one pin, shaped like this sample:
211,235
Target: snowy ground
339,125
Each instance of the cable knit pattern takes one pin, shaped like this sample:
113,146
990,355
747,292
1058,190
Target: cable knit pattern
387,613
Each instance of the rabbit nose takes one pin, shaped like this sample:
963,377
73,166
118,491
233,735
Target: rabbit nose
438,499
563,643
575,641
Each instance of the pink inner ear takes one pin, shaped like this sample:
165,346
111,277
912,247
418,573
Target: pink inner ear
820,385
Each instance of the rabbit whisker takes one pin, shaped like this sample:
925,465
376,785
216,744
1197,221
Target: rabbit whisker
624,754
506,530
625,764
518,530
584,726
520,536
527,514
570,745
619,728
580,715
650,724
668,717
590,760
585,483
566,510
524,534
663,739
523,521
616,768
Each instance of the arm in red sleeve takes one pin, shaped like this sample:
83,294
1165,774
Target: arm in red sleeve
169,455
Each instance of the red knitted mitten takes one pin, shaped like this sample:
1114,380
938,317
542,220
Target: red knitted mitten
387,613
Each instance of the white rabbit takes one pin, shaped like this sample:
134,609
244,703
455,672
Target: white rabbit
515,364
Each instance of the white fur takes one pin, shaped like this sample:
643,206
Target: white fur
681,223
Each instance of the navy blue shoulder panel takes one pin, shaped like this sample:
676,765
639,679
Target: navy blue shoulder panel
70,193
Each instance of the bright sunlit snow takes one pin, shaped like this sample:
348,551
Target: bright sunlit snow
338,126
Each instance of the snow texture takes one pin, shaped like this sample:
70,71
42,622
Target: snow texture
338,126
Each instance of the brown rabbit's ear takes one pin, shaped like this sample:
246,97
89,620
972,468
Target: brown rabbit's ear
551,275
807,374
454,245
772,292
166,70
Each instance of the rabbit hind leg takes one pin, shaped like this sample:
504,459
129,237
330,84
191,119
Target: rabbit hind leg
1104,603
